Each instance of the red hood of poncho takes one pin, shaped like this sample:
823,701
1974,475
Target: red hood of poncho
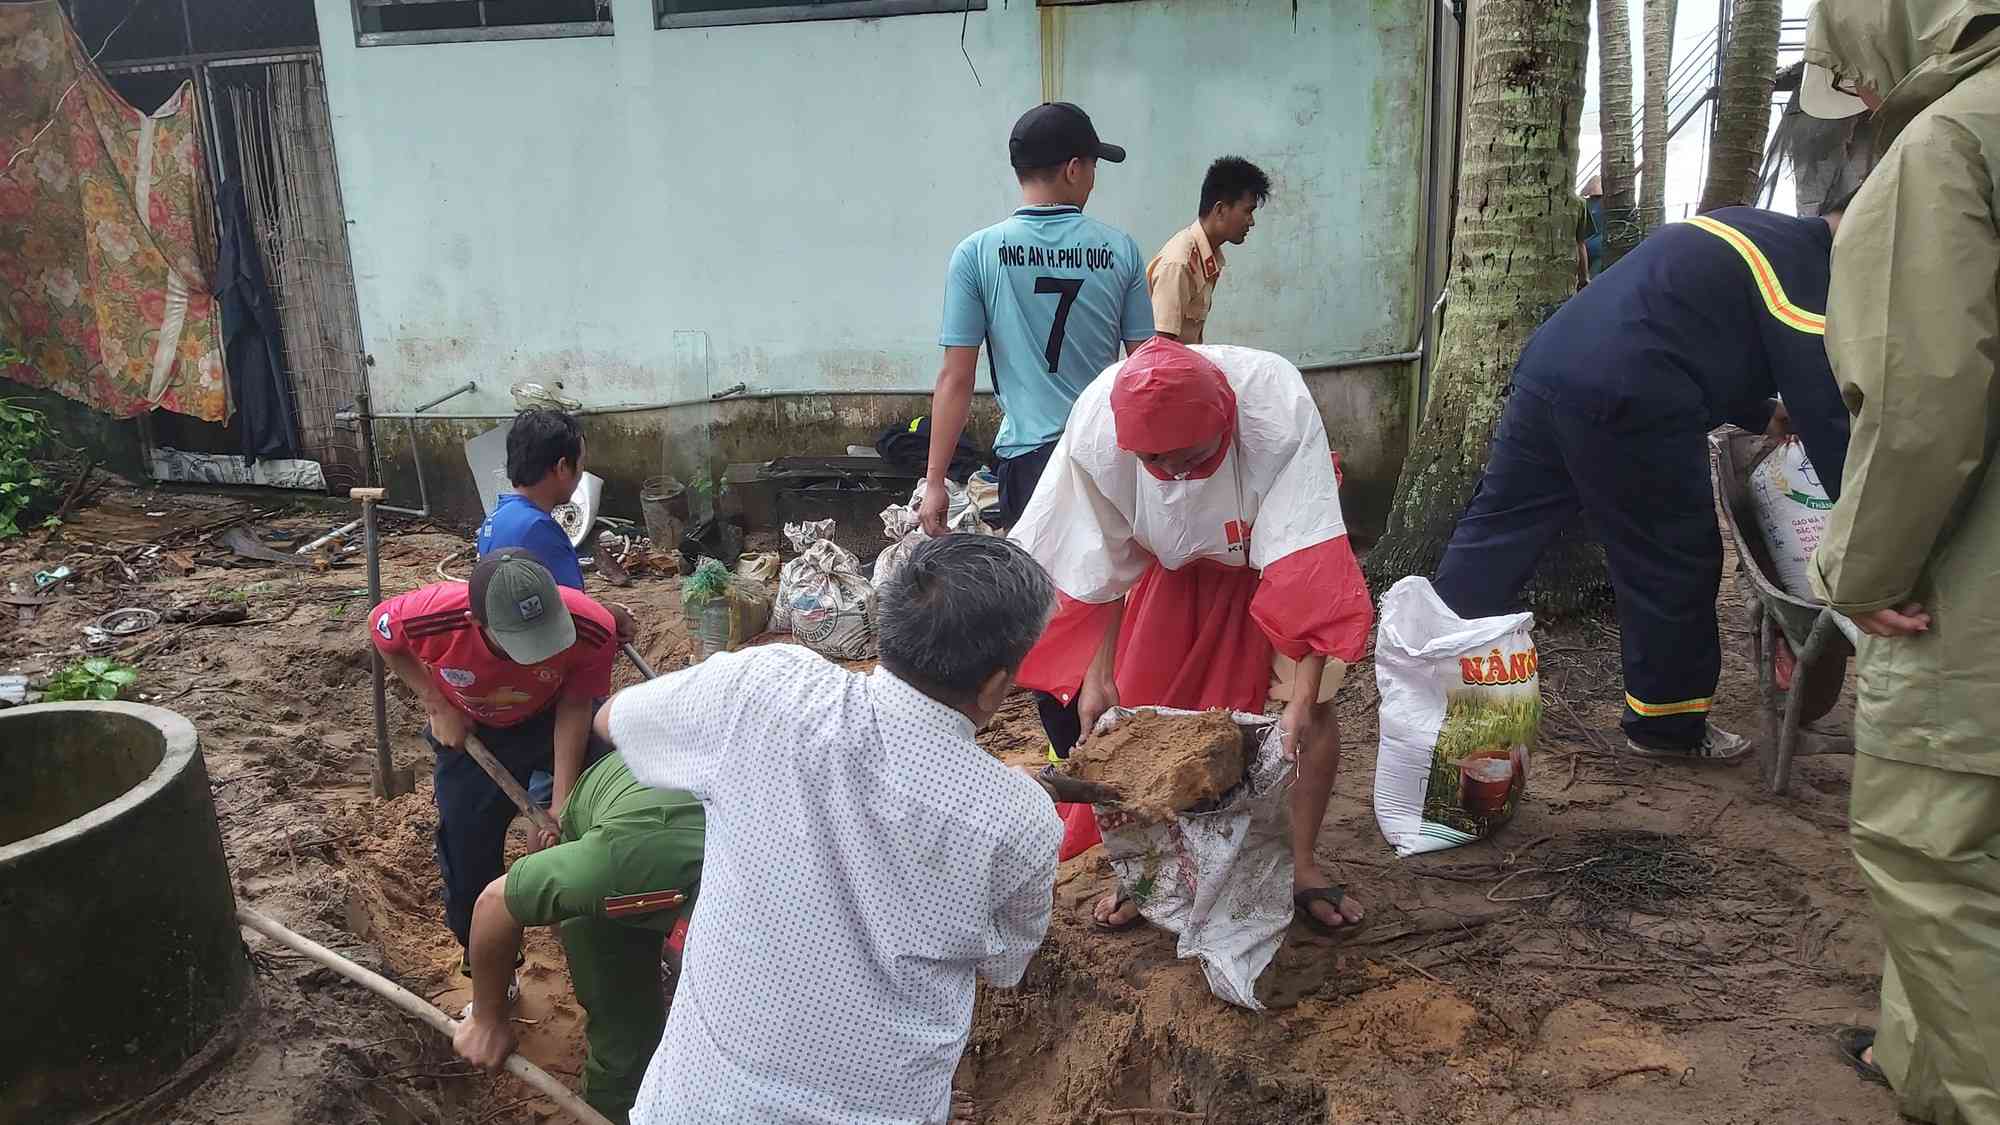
1167,396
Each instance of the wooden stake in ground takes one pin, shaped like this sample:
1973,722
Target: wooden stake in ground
415,1005
389,781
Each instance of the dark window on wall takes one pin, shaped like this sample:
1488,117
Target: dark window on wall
252,25
162,29
716,13
148,91
113,31
383,23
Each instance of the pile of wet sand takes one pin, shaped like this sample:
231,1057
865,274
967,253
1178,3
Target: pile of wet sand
1164,764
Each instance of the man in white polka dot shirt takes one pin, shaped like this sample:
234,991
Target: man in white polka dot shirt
866,860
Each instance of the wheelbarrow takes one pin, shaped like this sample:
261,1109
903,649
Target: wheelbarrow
1821,638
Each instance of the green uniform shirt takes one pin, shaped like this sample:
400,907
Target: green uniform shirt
625,851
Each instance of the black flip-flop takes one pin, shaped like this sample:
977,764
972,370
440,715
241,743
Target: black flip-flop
1103,927
1332,896
1853,1043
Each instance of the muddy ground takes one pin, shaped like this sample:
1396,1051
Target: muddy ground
1487,987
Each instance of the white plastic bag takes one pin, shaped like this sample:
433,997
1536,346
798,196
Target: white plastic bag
760,567
1222,880
901,526
1792,510
822,598
1461,707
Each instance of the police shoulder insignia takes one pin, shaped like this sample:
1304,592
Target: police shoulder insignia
650,902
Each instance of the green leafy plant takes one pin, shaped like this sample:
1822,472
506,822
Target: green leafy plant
22,431
98,677
709,581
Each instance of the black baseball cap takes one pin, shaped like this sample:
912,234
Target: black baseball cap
1054,132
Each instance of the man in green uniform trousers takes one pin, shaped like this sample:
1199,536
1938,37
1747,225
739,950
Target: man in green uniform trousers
623,875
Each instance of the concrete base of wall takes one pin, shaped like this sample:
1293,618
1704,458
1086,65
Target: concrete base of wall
1365,410
115,442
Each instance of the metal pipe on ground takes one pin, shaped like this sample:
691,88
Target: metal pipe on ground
543,1082
341,532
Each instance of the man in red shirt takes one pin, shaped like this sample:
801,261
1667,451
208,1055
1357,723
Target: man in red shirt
522,663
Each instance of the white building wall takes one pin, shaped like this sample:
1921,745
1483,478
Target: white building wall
661,214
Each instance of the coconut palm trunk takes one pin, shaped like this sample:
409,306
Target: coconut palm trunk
1743,104
1614,128
1513,255
1658,29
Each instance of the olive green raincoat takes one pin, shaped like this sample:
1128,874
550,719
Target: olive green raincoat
1913,330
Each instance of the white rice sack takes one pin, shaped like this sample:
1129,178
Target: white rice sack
905,531
1792,510
823,600
1461,706
1221,879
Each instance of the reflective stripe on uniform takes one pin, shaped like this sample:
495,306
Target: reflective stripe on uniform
1655,710
1780,306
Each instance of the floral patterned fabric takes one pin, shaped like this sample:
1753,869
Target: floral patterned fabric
105,235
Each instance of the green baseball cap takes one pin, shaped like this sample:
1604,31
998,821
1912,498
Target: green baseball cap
519,602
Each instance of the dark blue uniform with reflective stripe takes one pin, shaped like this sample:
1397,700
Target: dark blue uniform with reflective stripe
1699,325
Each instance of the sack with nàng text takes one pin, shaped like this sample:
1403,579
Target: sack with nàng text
1461,708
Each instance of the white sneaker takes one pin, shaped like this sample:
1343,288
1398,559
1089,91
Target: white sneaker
513,994
1717,747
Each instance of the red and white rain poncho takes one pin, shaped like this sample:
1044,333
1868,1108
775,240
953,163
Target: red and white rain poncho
1240,557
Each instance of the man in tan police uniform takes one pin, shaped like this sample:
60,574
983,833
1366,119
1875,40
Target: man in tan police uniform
1183,276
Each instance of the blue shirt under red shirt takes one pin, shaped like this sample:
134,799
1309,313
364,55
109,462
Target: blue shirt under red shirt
434,624
516,522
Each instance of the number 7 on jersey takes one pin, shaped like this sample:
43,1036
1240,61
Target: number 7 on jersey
1068,288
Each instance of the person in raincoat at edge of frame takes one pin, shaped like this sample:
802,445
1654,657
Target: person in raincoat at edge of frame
1191,521
1912,548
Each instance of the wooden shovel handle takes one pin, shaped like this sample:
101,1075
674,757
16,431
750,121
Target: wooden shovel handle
505,780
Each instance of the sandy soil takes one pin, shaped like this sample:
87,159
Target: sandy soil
282,707
1163,764
1480,991
1488,987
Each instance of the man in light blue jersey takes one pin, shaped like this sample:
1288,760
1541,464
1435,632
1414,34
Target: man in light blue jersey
1050,292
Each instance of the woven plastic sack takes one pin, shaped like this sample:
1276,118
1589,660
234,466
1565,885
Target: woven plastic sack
1222,879
902,528
1461,708
823,600
1792,511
